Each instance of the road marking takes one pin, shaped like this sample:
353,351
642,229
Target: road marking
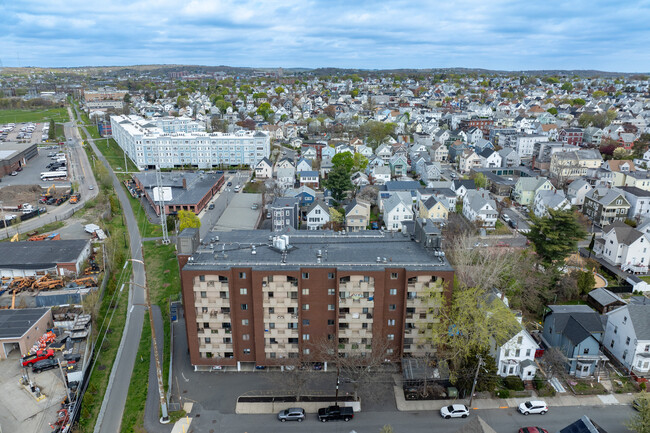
184,378
131,310
504,407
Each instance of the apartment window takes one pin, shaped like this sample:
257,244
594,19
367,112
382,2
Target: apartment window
271,325
242,275
291,310
305,307
624,320
627,341
271,310
246,337
270,295
527,352
272,355
611,344
331,292
244,307
392,307
305,336
293,295
391,336
586,351
305,275
646,348
517,352
305,291
364,326
305,322
520,340
247,351
392,292
202,278
243,291
330,322
615,329
207,340
507,352
293,326
330,307
244,322
204,310
393,275
330,275
204,295
389,351
391,322
305,351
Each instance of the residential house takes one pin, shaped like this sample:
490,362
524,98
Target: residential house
549,199
603,206
310,153
328,152
577,190
627,338
396,211
365,151
624,246
462,186
380,174
317,214
509,157
305,194
359,179
456,149
480,209
264,169
439,153
571,136
527,188
285,212
525,144
398,165
357,215
309,178
434,208
604,301
638,179
468,160
441,136
567,166
490,158
474,135
516,357
286,176
639,200
593,136
576,331
384,151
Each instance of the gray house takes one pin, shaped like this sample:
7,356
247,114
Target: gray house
576,331
285,213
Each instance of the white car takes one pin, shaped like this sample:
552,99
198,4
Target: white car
533,406
454,411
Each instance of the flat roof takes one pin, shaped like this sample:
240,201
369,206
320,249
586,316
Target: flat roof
10,149
40,255
364,250
14,323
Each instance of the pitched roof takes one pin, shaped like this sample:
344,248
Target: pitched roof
604,297
624,234
583,315
583,425
476,425
640,317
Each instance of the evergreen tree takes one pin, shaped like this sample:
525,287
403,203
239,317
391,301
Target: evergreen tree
555,237
338,181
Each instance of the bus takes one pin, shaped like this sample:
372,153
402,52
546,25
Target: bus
54,175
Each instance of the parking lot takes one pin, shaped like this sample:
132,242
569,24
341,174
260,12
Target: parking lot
31,173
19,410
36,136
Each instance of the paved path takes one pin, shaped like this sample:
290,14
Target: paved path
152,406
110,416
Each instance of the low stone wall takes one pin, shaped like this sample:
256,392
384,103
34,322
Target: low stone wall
275,407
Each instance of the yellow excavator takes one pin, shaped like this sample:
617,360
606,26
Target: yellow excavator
50,189
15,238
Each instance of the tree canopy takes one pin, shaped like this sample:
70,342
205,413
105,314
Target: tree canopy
338,181
351,163
188,219
265,111
556,237
640,423
377,132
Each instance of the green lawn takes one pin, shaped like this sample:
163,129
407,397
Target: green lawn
19,116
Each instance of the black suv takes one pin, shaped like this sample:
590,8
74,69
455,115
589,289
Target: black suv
45,364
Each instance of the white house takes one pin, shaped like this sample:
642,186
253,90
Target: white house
577,190
264,169
490,158
639,200
303,165
545,200
286,176
622,245
478,207
317,215
380,174
396,210
627,337
384,151
468,160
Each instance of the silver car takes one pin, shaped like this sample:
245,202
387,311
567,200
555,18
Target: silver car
292,414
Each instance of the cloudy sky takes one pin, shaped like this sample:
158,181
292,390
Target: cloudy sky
495,34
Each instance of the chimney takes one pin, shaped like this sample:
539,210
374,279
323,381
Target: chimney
184,183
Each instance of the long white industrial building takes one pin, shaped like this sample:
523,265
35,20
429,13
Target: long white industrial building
180,141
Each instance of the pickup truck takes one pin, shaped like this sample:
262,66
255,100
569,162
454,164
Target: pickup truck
38,356
335,413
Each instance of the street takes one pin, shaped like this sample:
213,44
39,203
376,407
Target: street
209,217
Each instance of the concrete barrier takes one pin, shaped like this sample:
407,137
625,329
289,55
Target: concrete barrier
275,407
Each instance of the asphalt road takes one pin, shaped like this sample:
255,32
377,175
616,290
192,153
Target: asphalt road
110,417
210,217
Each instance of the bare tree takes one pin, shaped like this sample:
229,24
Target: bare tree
369,194
272,189
295,380
556,362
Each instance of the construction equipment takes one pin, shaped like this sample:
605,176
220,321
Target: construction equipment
47,283
86,281
37,238
13,299
15,238
75,198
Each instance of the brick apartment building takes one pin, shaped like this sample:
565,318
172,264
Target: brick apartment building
571,136
483,124
273,299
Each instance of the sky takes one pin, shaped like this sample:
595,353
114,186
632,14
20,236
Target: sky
492,34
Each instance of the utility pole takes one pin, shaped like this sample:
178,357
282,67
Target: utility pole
161,205
338,382
478,368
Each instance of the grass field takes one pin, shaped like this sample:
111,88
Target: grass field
19,116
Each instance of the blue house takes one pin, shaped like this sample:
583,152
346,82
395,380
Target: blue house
305,194
576,331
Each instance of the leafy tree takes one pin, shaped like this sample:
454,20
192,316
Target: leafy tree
553,111
480,180
51,133
182,101
279,90
127,98
640,422
222,105
259,95
567,86
265,111
641,145
188,219
343,159
555,237
585,281
377,132
336,216
598,94
487,377
354,93
578,101
620,153
338,181
469,323
387,429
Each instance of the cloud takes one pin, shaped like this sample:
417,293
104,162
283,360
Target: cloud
496,34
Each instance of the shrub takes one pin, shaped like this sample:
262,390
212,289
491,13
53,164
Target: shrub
538,382
503,393
513,383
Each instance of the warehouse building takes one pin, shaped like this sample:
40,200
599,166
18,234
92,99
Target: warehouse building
182,191
180,142
20,329
15,155
272,300
29,259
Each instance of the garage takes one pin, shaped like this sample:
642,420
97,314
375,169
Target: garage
20,329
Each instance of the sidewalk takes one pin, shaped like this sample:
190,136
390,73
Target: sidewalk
497,403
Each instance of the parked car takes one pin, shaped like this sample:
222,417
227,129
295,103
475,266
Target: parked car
532,430
637,403
335,413
454,411
229,184
46,364
292,414
91,187
533,406
237,188
38,356
255,206
211,206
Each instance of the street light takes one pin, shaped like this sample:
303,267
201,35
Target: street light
164,419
